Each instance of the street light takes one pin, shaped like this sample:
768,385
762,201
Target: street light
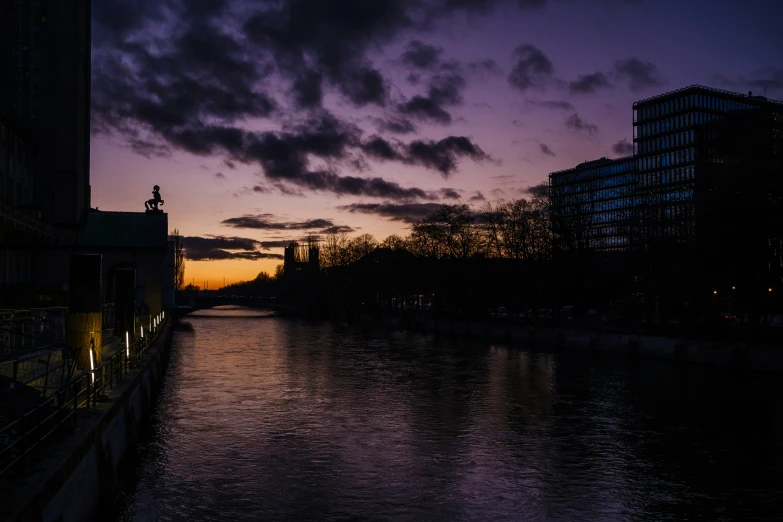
127,344
92,363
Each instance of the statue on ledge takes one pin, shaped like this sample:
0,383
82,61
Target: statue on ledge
152,204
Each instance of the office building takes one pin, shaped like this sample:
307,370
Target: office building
592,205
45,90
698,207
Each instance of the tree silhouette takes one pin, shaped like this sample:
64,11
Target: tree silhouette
179,261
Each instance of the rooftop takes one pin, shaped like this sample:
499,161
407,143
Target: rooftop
125,229
703,88
595,163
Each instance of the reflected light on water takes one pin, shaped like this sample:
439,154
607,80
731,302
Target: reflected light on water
269,418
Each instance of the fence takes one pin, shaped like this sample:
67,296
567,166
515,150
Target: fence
28,330
20,436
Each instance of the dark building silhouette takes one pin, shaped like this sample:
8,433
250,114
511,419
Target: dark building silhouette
592,205
302,274
45,217
20,229
45,90
697,207
300,260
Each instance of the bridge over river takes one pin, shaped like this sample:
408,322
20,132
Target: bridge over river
205,302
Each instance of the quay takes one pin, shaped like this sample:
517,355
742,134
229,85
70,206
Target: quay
62,460
739,355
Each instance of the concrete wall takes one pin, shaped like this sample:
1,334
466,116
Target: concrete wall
81,478
54,266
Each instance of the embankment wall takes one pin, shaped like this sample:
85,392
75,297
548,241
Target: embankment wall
78,477
766,358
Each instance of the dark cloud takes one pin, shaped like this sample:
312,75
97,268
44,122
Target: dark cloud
396,125
444,91
406,212
334,36
339,229
546,150
374,187
589,83
449,193
289,191
623,148
308,90
196,89
285,156
221,247
768,78
220,175
230,164
478,196
149,149
532,68
578,124
425,108
536,190
439,155
203,73
420,55
379,148
640,75
267,244
554,104
484,67
229,243
219,255
443,155
498,193
486,5
268,222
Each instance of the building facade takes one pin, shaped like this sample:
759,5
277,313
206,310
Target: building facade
592,205
698,207
45,89
20,229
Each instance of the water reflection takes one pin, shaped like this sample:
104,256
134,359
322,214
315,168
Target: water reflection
285,420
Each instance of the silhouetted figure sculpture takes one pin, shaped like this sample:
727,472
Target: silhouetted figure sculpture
152,204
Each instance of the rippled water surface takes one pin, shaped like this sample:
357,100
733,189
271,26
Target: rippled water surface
265,418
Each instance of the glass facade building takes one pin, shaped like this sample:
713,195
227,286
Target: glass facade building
676,145
592,205
699,204
666,190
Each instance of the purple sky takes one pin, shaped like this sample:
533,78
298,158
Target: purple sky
300,116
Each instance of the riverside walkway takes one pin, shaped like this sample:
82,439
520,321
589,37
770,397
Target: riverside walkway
60,458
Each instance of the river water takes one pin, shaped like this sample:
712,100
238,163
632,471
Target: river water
266,418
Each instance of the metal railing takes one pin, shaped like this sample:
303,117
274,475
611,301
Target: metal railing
20,436
32,329
23,219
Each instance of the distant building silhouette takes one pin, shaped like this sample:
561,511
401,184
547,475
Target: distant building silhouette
301,259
